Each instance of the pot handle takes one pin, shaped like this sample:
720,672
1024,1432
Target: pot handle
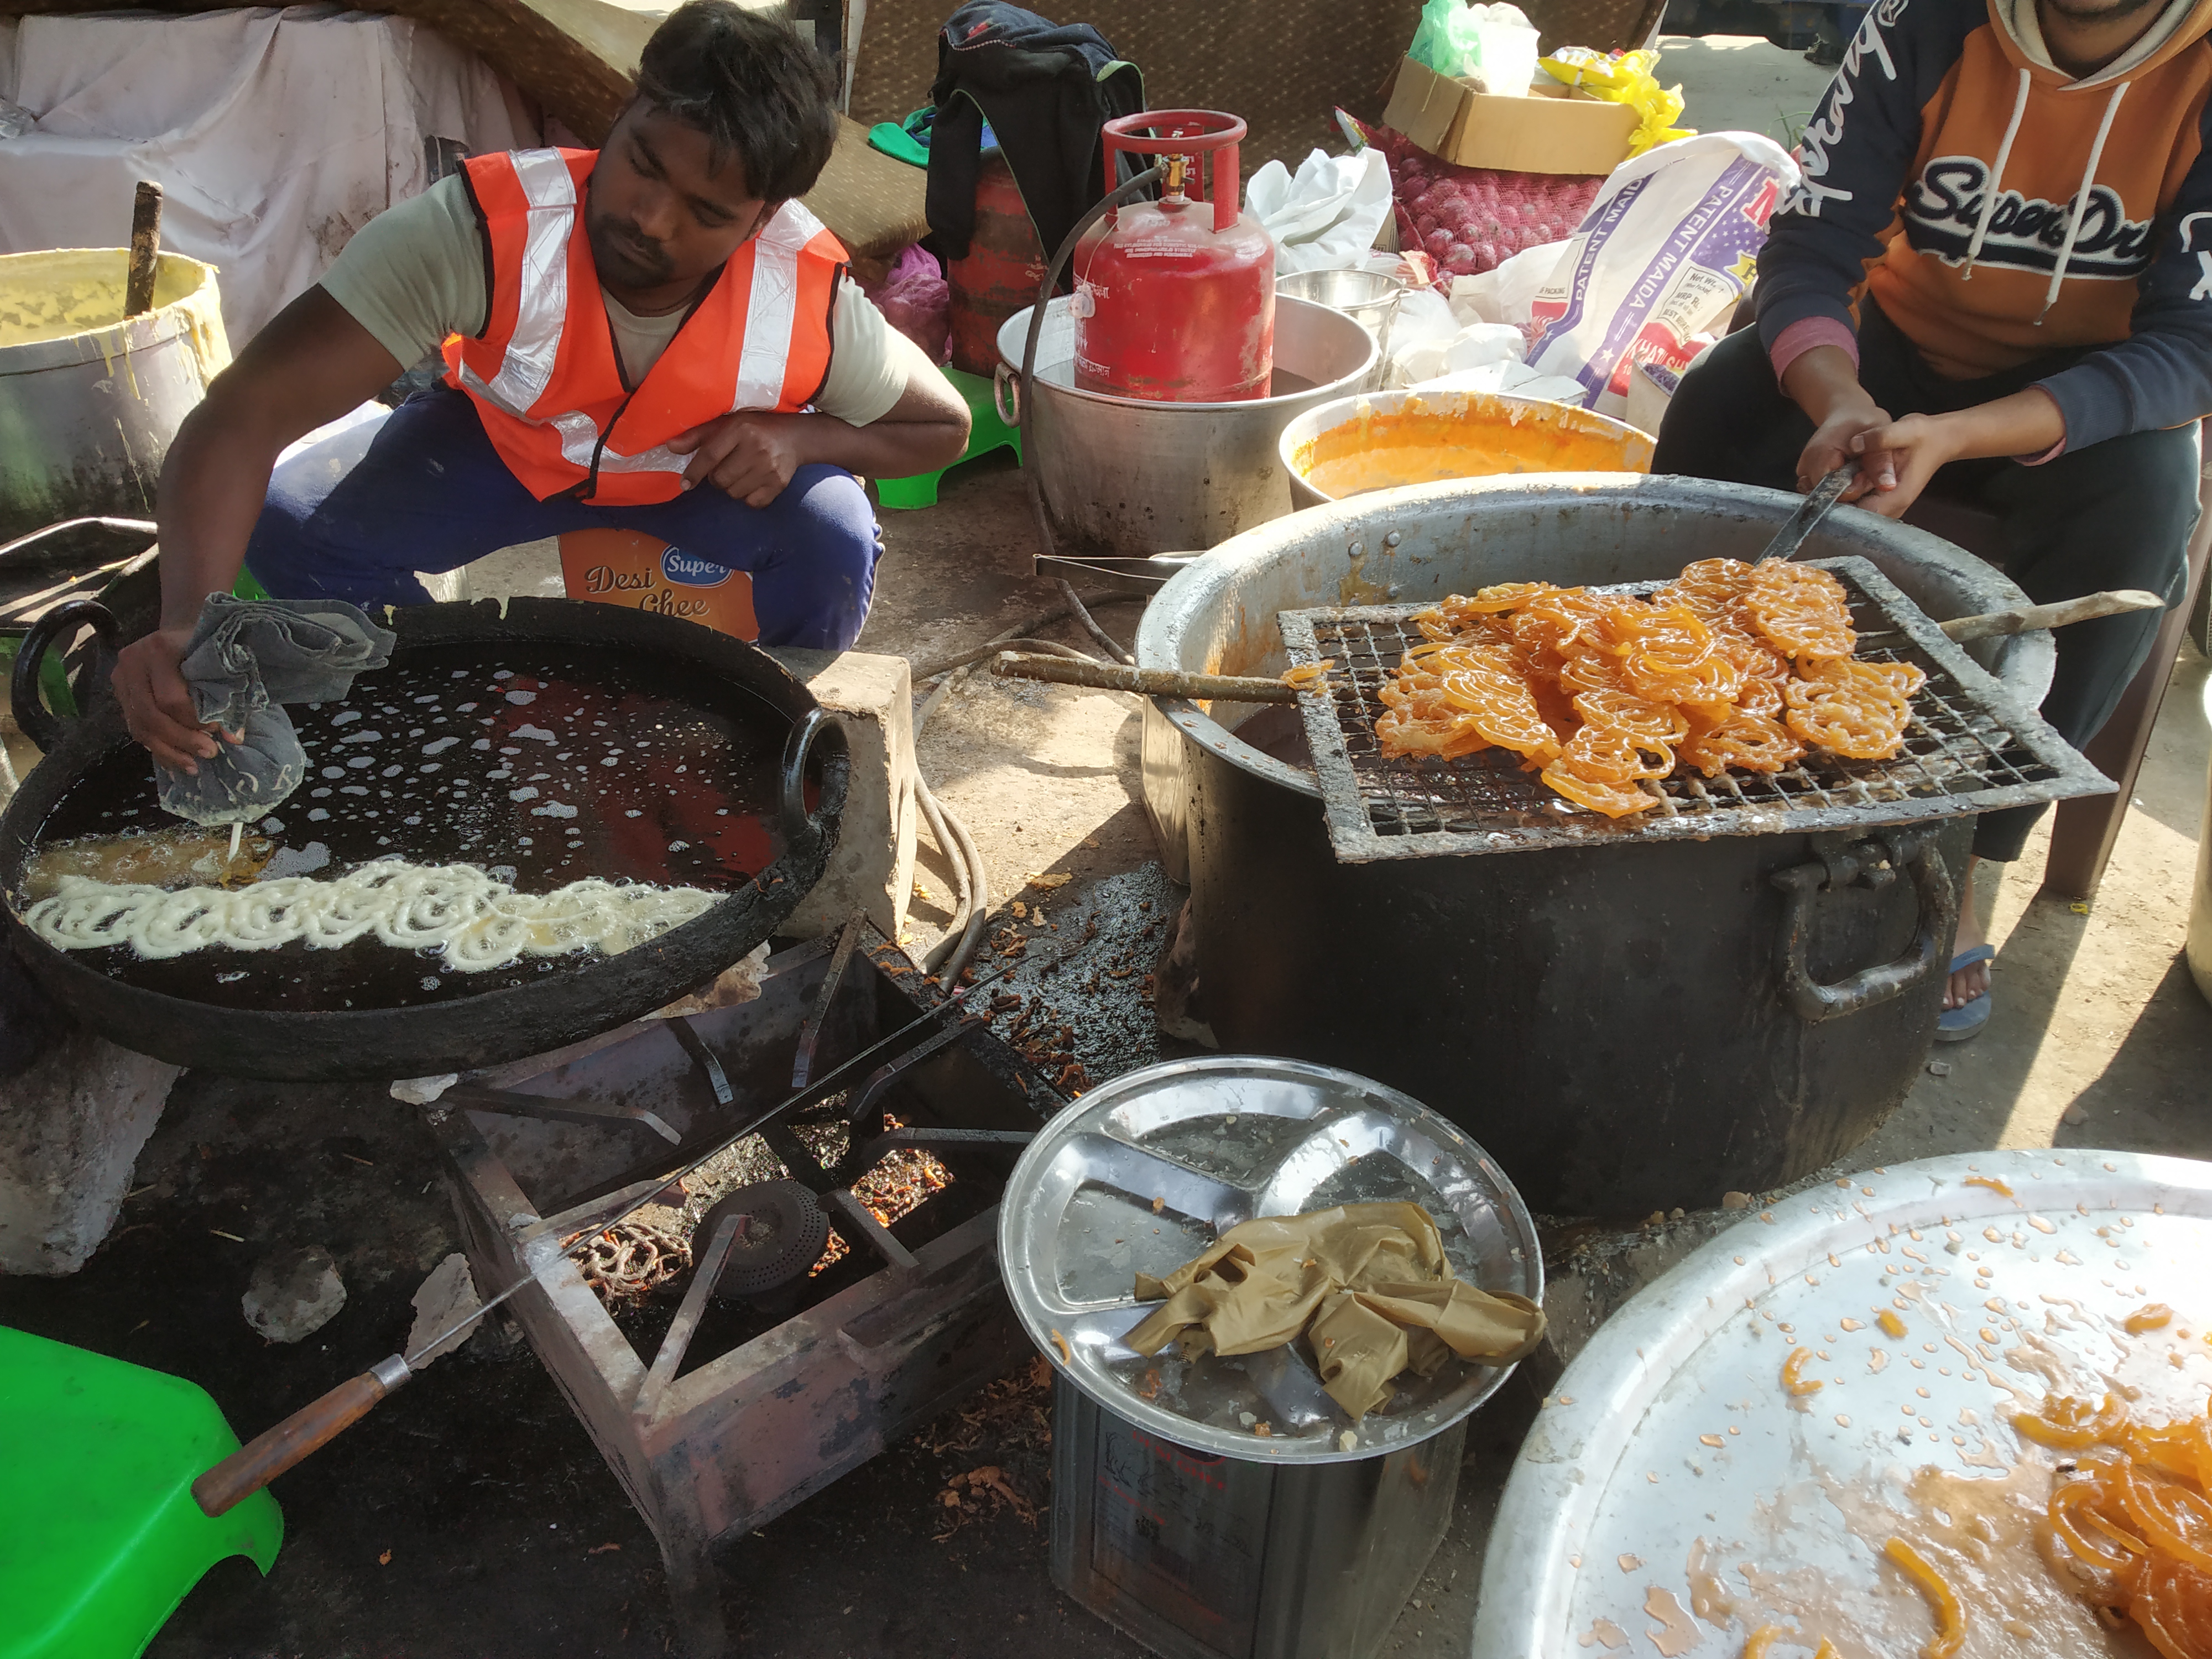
797,820
1874,862
1007,393
36,722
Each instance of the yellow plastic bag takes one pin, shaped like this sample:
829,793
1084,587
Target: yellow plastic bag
1624,77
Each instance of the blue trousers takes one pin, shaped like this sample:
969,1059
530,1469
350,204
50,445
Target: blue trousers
423,489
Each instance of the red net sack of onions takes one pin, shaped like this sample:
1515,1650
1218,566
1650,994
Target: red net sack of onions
1471,220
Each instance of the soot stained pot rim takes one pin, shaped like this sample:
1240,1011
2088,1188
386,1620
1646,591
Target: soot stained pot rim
493,1026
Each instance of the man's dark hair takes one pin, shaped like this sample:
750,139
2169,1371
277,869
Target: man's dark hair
752,84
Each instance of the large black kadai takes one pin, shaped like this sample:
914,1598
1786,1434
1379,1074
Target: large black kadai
545,740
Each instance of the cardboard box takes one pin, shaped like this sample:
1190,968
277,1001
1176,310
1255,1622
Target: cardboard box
1551,130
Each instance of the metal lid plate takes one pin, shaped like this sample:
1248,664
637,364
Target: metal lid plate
1143,1174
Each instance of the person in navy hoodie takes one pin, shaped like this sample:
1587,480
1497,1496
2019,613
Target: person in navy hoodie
1995,276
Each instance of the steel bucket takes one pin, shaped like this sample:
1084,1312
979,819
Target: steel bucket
1606,1020
1124,479
1370,298
89,400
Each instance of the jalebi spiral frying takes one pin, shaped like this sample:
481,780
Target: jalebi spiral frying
475,921
1729,666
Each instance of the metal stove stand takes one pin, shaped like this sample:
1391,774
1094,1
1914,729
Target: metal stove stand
1970,747
914,1319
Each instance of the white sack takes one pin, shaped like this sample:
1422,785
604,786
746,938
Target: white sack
1327,216
1667,248
274,133
1507,292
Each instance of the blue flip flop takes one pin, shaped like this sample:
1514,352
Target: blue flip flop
1957,1024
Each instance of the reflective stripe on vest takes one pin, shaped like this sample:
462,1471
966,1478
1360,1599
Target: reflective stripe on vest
544,373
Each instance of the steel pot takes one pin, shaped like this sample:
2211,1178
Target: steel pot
90,402
578,997
1123,478
1624,1028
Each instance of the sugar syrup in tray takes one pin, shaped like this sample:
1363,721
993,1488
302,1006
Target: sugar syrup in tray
544,764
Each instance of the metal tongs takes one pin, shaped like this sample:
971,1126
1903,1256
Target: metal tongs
1994,624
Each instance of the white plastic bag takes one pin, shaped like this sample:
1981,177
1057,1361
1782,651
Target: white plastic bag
1667,249
1511,376
1325,218
1492,46
1473,347
1508,293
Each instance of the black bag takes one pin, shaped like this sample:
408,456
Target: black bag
1046,89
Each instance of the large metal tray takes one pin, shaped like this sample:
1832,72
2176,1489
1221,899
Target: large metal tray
1672,1426
1971,747
1143,1174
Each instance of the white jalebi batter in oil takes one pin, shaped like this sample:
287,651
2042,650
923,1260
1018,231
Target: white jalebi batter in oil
477,921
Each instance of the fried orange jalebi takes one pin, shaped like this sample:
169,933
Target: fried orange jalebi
1943,1601
2131,1525
1624,711
1801,612
1729,666
1749,742
1615,800
1455,699
1854,709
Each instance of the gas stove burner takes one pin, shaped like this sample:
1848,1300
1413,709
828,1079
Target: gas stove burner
781,1232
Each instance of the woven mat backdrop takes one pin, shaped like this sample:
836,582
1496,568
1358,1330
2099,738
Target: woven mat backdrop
1281,64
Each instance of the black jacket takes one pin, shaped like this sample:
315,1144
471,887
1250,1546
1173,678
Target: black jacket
1046,89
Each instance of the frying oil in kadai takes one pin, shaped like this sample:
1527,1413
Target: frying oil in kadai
569,761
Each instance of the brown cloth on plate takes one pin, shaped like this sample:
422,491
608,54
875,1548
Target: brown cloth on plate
1368,1284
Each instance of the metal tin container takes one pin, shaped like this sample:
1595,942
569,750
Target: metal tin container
1125,478
1672,1460
89,400
1173,1516
1611,1023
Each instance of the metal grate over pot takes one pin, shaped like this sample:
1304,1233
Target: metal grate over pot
1970,747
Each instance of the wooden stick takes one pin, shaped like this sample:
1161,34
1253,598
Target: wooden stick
1145,682
145,249
2022,618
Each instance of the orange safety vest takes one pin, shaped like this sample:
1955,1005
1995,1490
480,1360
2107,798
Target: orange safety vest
544,373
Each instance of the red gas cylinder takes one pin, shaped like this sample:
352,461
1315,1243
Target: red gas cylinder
1004,265
1175,300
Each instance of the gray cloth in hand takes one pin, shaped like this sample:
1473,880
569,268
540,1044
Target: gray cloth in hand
247,659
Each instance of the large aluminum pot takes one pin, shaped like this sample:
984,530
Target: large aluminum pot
1124,479
1607,1021
89,401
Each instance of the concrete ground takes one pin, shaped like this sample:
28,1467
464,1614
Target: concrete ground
471,1517
1742,84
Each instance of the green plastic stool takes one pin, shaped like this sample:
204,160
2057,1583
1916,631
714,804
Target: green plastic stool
987,432
106,1538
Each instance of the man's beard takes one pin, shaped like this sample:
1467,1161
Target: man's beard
623,253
